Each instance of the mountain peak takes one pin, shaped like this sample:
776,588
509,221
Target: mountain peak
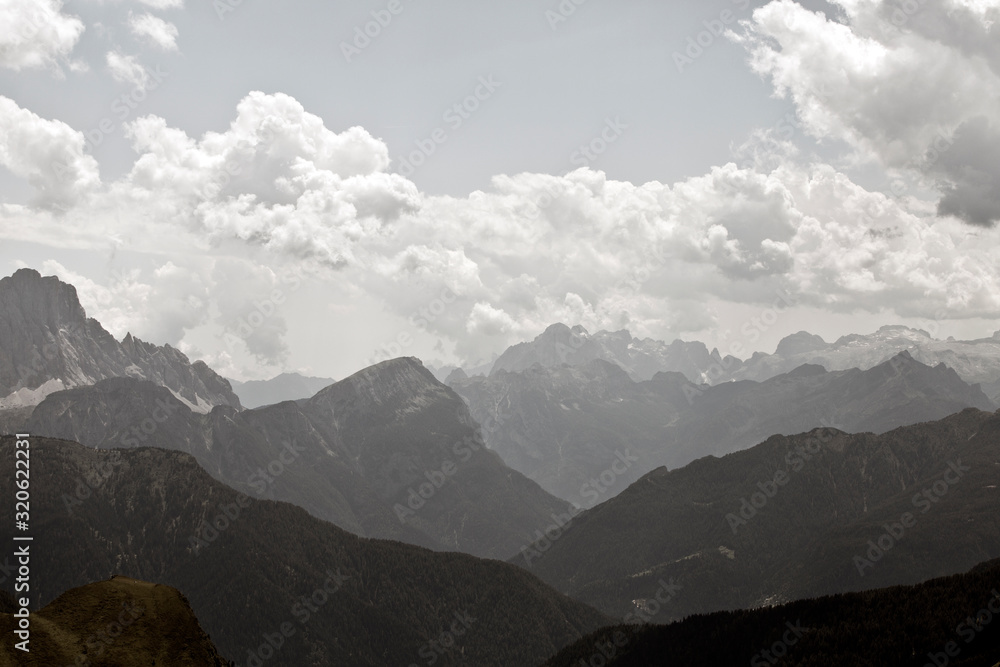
403,382
799,343
47,343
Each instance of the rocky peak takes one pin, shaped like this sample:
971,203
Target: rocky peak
47,343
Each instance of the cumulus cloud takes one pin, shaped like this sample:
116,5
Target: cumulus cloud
278,189
48,153
172,300
163,4
277,178
154,29
36,33
912,86
127,69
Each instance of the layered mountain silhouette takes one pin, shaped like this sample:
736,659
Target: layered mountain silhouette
641,359
947,621
120,621
388,452
975,361
812,514
267,579
284,387
584,432
47,343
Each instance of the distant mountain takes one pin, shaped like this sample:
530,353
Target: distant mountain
933,623
813,514
47,343
284,387
641,359
443,372
268,581
120,621
388,452
975,361
585,432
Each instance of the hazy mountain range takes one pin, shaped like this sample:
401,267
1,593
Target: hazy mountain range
789,519
976,361
585,432
326,510
388,452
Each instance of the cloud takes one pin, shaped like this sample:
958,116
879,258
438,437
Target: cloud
896,82
36,33
173,300
163,4
127,69
48,153
154,29
229,213
277,178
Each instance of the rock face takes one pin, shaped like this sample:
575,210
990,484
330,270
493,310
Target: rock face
388,452
269,567
284,387
791,518
47,343
568,427
120,621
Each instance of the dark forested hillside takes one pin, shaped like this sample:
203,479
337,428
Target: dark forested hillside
813,514
952,621
252,567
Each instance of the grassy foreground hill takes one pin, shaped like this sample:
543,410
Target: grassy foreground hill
119,622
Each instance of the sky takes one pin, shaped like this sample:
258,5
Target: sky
313,186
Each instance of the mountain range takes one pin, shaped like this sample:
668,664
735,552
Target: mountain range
794,517
267,579
388,452
584,432
47,343
975,361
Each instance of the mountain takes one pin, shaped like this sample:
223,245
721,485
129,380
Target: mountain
388,452
120,621
797,516
585,432
641,359
47,343
284,387
947,621
269,582
975,361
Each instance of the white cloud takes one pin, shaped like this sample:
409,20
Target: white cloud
174,300
896,82
48,153
159,32
36,33
127,69
278,189
163,4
